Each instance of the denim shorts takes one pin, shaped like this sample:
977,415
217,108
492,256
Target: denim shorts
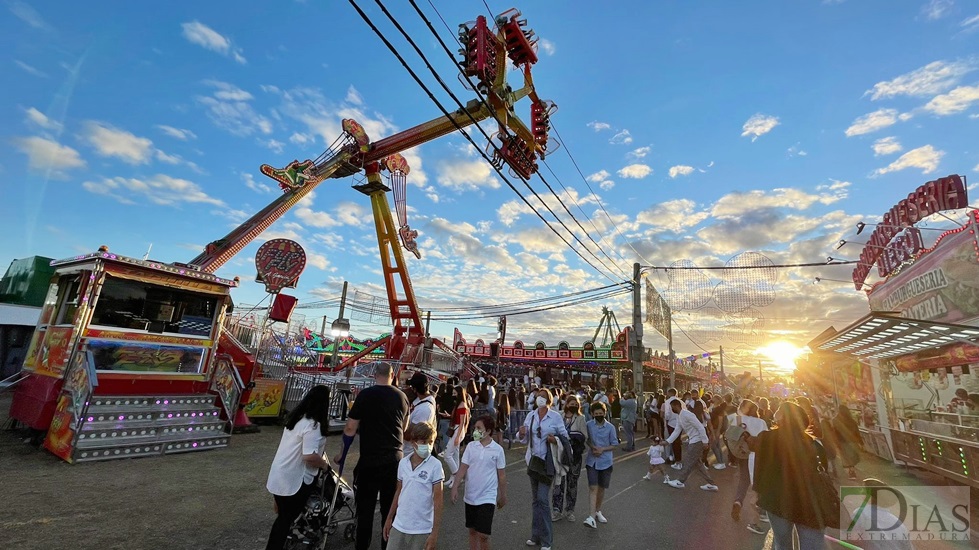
602,478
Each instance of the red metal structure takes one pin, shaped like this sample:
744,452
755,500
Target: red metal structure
485,59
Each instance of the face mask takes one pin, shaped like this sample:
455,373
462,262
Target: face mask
541,401
477,435
571,407
600,419
423,450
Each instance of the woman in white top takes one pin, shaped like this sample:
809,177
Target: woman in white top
299,457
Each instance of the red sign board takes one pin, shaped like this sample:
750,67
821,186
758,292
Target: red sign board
280,262
948,193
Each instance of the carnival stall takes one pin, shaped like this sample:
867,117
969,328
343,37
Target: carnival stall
124,361
920,343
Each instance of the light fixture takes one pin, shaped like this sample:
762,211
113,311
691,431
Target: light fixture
862,225
341,328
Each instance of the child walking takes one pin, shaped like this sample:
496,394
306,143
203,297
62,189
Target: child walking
656,461
416,512
484,469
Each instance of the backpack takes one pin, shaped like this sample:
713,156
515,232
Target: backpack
737,439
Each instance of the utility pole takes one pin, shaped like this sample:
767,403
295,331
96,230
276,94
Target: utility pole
637,349
722,360
427,360
759,370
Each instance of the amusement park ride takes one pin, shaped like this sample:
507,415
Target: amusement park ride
108,379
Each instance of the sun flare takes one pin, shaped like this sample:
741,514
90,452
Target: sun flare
783,354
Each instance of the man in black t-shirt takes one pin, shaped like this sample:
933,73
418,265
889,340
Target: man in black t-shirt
380,416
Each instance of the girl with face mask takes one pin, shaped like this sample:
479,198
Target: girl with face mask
566,494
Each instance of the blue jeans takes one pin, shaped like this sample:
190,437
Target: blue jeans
542,531
630,434
809,538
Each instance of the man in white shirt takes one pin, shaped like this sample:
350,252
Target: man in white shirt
671,425
745,497
688,423
422,408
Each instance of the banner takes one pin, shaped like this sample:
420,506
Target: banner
110,355
265,399
657,311
75,394
52,356
941,286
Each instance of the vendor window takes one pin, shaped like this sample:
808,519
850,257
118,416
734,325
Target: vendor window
69,298
143,306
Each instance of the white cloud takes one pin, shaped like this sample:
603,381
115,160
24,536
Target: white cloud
599,126
676,214
796,150
254,185
113,142
758,125
318,261
30,70
316,218
547,46
936,9
871,122
352,213
621,138
970,24
169,159
734,205
598,176
635,171
47,155
229,108
28,15
926,158
933,78
511,210
159,189
956,101
640,152
680,170
887,146
275,145
301,139
39,119
202,35
465,175
177,133
605,185
353,96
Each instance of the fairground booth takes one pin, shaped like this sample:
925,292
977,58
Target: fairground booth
910,368
124,361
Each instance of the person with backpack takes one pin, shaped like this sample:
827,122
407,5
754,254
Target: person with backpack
423,408
743,427
566,494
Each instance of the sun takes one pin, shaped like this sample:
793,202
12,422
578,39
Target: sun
783,354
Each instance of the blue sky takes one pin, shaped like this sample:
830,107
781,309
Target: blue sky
706,129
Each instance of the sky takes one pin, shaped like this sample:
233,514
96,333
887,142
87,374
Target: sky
708,132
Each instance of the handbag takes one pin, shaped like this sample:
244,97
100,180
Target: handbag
825,493
537,468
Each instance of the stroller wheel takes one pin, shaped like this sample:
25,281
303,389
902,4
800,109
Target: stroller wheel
350,532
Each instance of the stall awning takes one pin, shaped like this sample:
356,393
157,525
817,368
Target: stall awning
883,336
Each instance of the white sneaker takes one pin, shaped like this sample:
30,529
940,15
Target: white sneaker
590,522
570,517
666,479
676,483
647,477
677,466
600,517
720,466
531,543
709,487
545,548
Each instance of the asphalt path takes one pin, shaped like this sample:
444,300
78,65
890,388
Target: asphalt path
640,513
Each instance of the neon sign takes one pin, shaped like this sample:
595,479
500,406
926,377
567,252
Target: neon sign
948,193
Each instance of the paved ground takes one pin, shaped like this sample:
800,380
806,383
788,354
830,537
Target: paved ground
217,500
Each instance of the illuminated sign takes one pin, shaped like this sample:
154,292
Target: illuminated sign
948,193
280,262
904,248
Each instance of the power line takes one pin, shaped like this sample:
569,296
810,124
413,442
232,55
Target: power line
719,267
495,117
537,310
446,113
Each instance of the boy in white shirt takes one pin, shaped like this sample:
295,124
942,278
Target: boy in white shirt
416,512
484,469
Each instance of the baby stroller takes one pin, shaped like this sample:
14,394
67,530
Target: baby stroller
330,507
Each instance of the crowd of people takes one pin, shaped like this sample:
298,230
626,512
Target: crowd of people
778,446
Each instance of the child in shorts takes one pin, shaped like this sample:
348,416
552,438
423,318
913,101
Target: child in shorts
416,512
484,469
656,460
